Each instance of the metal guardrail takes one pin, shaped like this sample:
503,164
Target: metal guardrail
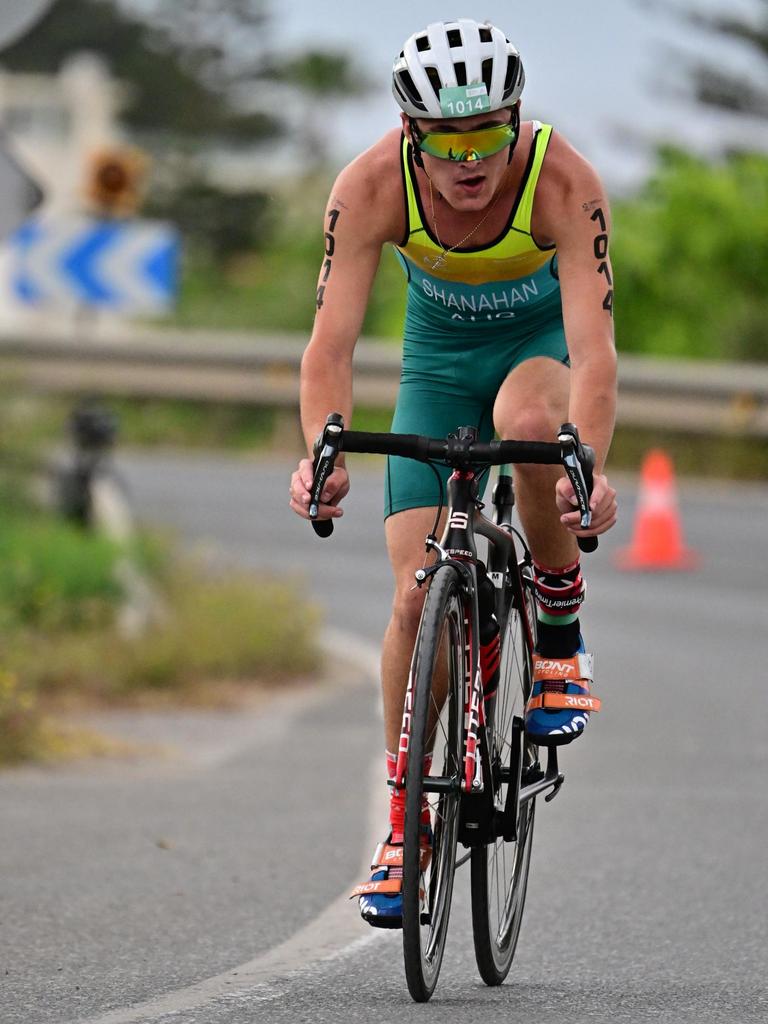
673,395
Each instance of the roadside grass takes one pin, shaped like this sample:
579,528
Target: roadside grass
219,636
219,640
30,733
229,629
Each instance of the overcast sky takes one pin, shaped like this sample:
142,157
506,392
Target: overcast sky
600,70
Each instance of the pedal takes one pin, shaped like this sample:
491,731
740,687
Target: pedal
556,789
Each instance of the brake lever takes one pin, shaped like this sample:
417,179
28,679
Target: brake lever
326,448
579,461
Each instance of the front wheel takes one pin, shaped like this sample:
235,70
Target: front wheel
433,787
499,871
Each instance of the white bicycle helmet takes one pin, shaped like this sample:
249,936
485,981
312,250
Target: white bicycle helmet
457,68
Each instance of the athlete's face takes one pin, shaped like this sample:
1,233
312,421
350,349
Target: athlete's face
466,185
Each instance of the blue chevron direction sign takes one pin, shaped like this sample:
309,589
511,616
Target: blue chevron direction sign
127,266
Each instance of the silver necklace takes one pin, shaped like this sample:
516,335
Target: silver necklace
437,263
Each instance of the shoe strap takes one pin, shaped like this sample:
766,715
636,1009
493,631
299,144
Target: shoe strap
578,669
564,702
384,887
388,856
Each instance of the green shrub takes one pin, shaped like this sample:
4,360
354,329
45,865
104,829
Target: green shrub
54,575
689,255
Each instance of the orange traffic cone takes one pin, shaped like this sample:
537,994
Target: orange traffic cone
657,541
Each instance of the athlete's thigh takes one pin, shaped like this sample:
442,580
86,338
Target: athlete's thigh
423,408
533,400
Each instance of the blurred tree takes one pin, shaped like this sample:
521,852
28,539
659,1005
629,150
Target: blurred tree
689,254
324,75
320,78
218,225
691,249
741,93
225,41
177,83
717,86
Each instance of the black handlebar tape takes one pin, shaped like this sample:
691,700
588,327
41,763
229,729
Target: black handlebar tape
414,446
545,453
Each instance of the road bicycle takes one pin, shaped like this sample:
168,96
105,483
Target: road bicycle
480,789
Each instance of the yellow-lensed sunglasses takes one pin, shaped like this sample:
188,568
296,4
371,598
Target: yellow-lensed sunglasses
465,146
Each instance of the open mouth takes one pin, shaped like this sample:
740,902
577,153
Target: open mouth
472,183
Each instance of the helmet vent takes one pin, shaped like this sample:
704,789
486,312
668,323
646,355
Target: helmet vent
512,69
434,79
461,72
407,89
454,37
485,35
422,43
487,71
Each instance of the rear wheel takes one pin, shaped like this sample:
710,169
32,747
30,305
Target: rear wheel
433,794
499,871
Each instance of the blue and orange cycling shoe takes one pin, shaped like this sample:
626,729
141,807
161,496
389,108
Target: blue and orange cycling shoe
560,703
381,899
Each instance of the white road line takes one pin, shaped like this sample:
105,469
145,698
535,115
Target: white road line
336,932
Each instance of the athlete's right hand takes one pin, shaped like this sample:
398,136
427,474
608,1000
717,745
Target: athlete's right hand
336,487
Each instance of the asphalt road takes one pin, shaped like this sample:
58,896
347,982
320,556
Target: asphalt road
121,884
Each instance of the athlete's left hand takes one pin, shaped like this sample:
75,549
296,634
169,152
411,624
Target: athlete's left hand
602,503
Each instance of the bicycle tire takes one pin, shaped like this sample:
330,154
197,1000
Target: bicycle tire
499,871
438,664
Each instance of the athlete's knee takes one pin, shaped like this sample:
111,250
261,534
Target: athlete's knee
406,606
405,533
533,422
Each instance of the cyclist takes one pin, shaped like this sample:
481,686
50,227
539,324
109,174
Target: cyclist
502,230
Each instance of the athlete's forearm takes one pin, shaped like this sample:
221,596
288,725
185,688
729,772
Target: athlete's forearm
592,405
325,386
